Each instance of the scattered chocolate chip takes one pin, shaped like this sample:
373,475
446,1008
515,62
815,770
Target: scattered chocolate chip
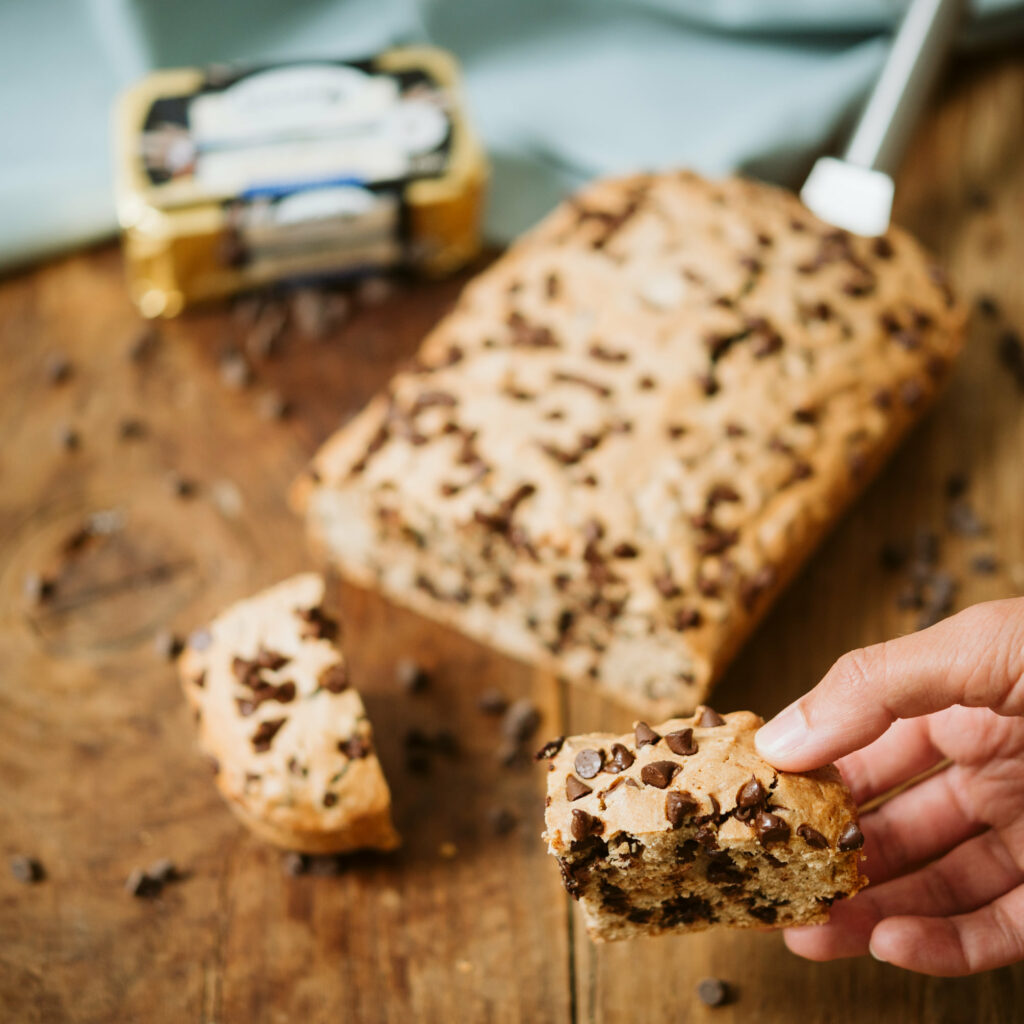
574,789
589,762
67,437
812,837
984,564
708,718
163,871
658,773
681,742
318,625
27,870
644,734
550,749
330,799
37,588
770,828
140,885
501,820
686,618
411,676
620,760
295,864
625,550
181,487
893,556
520,721
355,747
584,825
58,368
131,429
334,678
168,645
850,838
751,794
678,805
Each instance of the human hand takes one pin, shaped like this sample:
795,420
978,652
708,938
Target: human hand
945,857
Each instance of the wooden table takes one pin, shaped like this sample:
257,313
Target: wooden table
97,760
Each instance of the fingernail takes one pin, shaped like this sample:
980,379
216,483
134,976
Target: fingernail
880,959
784,734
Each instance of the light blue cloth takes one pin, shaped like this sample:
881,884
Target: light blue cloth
560,90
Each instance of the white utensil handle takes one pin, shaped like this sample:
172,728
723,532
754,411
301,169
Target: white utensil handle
920,45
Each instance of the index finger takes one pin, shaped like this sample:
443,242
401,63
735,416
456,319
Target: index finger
974,658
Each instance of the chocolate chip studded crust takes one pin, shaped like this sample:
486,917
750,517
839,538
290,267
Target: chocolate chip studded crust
686,827
634,427
290,739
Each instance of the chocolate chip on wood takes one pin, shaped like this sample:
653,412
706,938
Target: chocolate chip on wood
622,514
707,834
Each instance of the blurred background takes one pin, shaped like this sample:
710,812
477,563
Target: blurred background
759,86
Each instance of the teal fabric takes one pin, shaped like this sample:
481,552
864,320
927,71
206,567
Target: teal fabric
560,90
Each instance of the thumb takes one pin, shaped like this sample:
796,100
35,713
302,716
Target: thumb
974,658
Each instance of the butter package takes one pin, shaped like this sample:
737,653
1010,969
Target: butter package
229,178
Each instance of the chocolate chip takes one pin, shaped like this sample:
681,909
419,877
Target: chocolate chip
411,676
355,747
625,550
180,486
621,759
27,870
264,735
131,429
1010,348
893,556
713,992
520,721
686,618
658,773
589,762
850,838
751,794
681,742
984,564
37,588
961,519
550,749
678,805
330,799
58,368
163,870
911,391
770,828
644,734
167,644
67,437
140,885
272,406
709,718
295,864
584,825
271,660
493,702
501,820
812,837
318,625
574,789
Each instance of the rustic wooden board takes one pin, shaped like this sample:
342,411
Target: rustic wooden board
98,766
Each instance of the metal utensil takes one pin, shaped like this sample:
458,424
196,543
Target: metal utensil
856,192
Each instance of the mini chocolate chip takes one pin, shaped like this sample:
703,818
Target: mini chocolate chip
140,885
751,794
131,429
574,789
550,749
709,718
984,564
644,734
27,870
850,838
589,762
355,747
961,519
272,406
167,644
893,556
37,588
621,759
67,437
686,618
681,742
163,870
658,773
411,676
58,368
812,837
263,737
713,992
180,486
770,828
679,804
625,550
584,825
330,799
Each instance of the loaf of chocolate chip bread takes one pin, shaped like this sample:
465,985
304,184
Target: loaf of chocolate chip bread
289,738
634,427
683,826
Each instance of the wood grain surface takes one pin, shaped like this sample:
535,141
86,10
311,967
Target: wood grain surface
98,768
